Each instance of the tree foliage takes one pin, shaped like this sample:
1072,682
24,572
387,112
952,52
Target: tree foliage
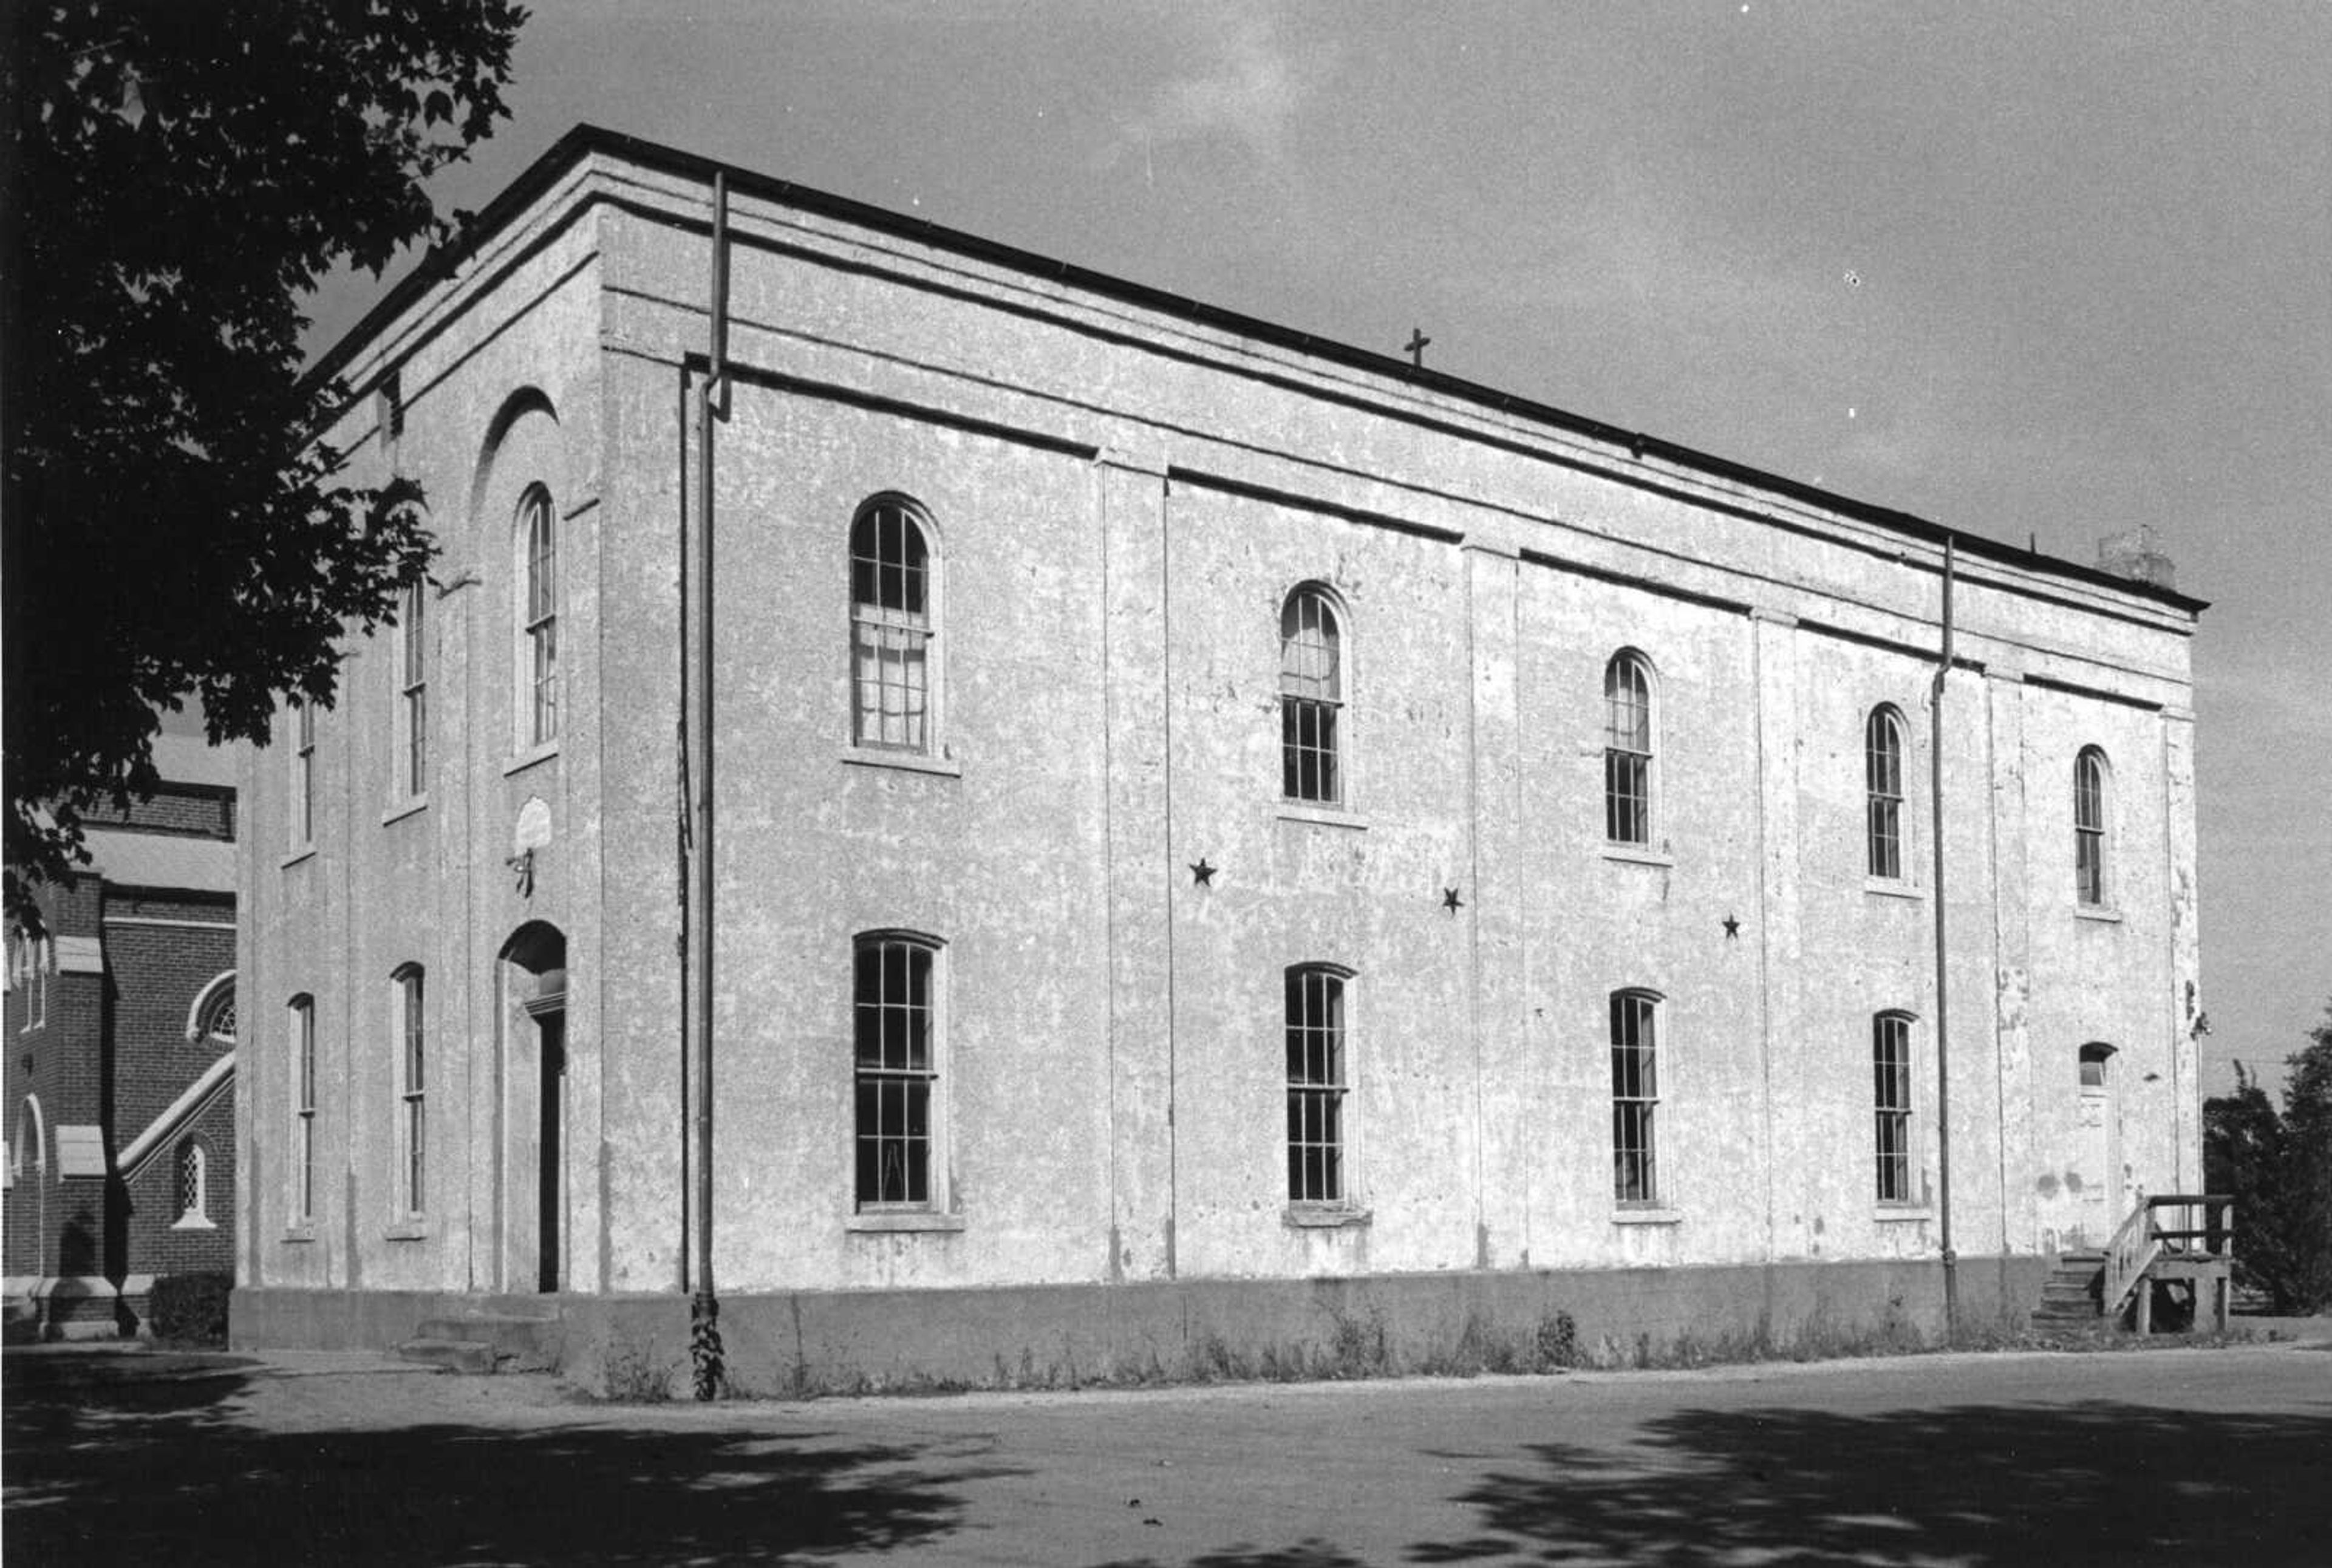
2277,1165
180,177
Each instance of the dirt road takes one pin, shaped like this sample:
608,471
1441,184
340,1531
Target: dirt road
2191,1457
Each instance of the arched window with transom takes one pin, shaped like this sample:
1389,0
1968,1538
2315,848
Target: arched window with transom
2091,781
893,626
1312,697
1882,782
1628,741
538,541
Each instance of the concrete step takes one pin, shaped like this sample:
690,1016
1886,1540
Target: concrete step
458,1355
503,1342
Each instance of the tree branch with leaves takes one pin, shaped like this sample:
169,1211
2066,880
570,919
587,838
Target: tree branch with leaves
180,177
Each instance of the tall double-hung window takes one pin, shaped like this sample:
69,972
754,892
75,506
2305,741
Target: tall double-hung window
892,627
1316,1085
899,1157
1635,1098
2089,800
1891,1067
1628,749
1311,698
1882,775
412,1093
301,1157
413,693
539,536
302,715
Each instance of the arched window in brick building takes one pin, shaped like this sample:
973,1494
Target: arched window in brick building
1628,734
194,1198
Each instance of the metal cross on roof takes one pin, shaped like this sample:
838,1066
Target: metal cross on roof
1415,347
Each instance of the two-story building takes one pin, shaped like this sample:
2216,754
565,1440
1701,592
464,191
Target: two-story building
1217,836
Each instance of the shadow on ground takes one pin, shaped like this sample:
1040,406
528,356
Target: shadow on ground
1971,1486
2099,1482
210,1489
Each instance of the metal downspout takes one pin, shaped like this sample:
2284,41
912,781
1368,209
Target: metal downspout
1943,986
704,1309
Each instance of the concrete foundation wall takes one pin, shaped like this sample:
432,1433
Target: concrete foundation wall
793,1344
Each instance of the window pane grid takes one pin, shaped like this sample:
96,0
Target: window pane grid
1890,1057
1635,1099
191,1196
1315,1086
304,1118
1627,751
891,629
1883,782
1311,696
415,693
542,615
2089,829
894,1074
415,1102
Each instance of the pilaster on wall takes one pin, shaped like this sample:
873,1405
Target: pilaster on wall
1129,493
1499,911
1773,640
1971,970
2185,960
2012,948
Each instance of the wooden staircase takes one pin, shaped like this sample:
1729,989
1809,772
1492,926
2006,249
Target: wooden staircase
2182,1239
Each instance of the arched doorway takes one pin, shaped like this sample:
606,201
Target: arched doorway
533,1018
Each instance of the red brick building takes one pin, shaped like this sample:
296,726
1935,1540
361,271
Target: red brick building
119,1069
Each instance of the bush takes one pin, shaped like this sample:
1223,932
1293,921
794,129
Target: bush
190,1308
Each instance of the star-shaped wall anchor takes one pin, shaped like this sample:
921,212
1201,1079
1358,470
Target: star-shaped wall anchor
1732,928
1201,873
1451,900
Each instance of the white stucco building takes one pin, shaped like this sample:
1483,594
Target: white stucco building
1219,835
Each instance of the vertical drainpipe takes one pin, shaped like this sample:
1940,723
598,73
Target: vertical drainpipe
704,1310
1943,978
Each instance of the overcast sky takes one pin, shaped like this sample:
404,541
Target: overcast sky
2024,270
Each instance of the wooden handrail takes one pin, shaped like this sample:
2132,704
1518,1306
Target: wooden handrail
2139,1240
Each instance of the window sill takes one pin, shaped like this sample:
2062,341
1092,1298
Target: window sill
1885,888
405,808
300,1234
905,761
525,760
1635,855
2103,913
1322,815
1322,1217
406,1230
892,1221
1895,1213
1650,1214
305,852
194,1222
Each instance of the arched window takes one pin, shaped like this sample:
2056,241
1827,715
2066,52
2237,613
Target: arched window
538,537
2090,783
899,1132
413,693
892,627
193,1165
1627,749
1635,1098
300,1166
1317,1082
1891,1066
1311,697
1882,774
30,1151
302,716
412,1092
